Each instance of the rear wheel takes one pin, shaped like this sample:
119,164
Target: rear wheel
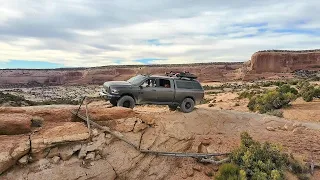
173,107
126,101
187,105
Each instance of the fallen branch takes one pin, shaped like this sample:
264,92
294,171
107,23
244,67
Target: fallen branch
181,154
214,161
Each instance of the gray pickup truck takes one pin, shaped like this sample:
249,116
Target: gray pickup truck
173,89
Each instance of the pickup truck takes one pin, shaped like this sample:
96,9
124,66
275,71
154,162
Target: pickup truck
171,89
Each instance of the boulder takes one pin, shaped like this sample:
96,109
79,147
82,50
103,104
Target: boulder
13,148
65,132
16,123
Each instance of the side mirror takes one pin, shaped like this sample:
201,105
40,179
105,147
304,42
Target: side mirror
141,87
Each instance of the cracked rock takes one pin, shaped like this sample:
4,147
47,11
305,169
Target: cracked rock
68,150
24,160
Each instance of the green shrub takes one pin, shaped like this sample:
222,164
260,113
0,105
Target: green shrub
259,161
308,92
287,89
269,101
230,171
14,100
253,160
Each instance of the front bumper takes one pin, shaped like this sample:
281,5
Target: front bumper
108,96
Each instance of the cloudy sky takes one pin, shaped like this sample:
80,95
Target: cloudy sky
73,33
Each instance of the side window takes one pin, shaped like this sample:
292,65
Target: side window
149,83
188,85
164,83
184,85
196,85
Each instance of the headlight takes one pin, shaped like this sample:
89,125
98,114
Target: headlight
114,91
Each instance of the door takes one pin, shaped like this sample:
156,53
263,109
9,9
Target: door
147,92
165,90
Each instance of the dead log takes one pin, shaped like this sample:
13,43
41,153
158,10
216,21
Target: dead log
214,161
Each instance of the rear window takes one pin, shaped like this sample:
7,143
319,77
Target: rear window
188,85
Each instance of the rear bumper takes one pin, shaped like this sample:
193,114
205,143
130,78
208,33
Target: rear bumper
108,96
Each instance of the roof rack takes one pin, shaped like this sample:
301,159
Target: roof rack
181,75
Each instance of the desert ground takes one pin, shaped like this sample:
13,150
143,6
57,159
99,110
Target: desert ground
64,144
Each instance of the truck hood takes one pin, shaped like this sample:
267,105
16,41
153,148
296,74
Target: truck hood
107,84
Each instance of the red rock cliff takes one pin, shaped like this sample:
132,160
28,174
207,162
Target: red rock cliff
284,61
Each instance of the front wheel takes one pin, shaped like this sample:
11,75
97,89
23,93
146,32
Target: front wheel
126,101
187,105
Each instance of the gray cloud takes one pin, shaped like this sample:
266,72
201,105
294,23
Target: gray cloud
77,31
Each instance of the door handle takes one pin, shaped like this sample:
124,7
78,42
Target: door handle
154,90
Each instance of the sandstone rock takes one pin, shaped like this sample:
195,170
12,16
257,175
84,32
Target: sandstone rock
271,128
15,148
279,62
55,159
202,149
82,152
66,132
139,126
24,160
97,144
40,165
53,152
210,105
68,150
100,170
16,123
125,125
212,148
95,132
90,156
148,119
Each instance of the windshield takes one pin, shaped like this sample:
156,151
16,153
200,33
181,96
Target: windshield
136,79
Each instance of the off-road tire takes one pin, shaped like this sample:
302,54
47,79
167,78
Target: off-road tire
126,101
187,105
172,107
113,102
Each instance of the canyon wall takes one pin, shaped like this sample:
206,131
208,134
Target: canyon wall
284,61
206,72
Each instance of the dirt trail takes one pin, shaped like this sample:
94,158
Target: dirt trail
205,130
